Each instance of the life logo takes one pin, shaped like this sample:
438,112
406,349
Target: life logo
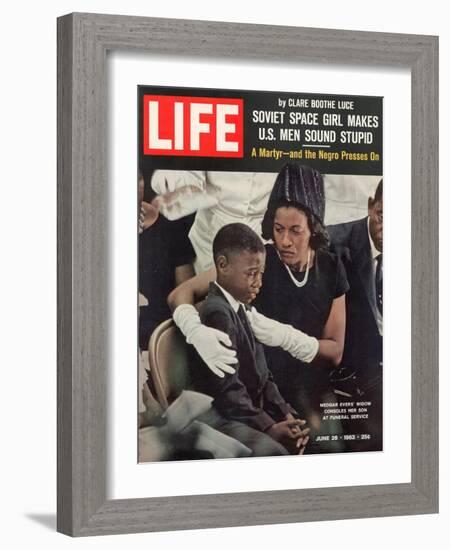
193,126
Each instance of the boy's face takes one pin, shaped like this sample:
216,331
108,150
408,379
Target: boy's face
241,274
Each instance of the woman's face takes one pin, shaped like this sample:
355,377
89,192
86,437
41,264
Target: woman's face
291,235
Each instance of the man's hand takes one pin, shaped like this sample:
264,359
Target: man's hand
183,201
148,214
291,434
209,342
275,334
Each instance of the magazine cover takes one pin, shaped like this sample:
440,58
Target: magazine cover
260,220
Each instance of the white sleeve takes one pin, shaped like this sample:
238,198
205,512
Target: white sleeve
166,181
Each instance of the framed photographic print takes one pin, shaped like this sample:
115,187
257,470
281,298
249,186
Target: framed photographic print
181,144
231,157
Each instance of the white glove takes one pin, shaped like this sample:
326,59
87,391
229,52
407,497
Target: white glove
206,340
275,334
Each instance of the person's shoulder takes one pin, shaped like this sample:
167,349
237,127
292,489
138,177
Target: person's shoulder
216,312
215,302
327,258
344,228
331,266
347,235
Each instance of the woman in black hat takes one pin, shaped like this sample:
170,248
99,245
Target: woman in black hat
304,286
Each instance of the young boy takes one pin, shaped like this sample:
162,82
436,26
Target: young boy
247,404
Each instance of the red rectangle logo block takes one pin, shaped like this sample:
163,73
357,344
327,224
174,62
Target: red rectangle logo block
193,126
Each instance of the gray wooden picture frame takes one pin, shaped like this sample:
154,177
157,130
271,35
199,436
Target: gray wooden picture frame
83,42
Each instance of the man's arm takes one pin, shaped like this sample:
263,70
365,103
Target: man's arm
183,273
167,181
191,291
180,193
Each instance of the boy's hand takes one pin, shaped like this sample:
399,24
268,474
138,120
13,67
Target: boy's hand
291,434
298,427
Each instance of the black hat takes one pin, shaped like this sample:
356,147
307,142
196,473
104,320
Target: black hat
297,184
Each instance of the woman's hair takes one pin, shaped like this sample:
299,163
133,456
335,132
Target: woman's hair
301,187
319,236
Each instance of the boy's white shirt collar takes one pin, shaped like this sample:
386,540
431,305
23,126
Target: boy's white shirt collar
232,301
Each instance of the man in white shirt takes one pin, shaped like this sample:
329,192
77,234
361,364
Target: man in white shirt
239,197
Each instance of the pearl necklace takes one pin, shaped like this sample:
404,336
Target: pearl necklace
303,282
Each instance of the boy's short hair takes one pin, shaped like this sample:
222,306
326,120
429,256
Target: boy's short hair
236,237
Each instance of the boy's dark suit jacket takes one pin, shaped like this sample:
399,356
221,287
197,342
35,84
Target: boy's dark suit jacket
363,341
250,395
